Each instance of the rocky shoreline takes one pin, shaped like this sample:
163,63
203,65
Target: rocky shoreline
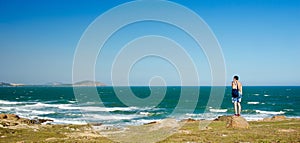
14,120
16,129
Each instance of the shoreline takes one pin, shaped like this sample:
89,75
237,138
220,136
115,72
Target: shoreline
54,121
277,128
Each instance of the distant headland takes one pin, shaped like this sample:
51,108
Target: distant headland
5,84
58,84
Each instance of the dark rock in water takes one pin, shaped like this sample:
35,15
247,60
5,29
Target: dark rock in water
153,122
223,118
40,121
237,122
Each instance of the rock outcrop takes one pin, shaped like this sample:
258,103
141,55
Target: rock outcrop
275,118
223,118
13,120
237,122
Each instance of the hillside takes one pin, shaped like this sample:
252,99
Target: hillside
88,83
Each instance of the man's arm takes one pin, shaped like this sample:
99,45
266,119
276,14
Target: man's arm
240,87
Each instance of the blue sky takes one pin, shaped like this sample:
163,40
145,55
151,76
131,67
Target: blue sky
259,40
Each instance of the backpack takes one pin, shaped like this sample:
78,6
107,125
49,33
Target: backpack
235,92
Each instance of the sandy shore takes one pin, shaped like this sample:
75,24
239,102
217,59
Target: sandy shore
168,130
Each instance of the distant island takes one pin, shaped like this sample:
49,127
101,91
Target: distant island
88,83
80,83
5,84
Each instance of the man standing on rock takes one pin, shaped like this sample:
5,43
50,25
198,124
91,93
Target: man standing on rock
237,91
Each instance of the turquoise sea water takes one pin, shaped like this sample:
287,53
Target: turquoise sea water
60,104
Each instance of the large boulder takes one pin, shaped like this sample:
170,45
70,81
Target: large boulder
237,122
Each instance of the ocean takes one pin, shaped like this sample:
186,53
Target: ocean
61,105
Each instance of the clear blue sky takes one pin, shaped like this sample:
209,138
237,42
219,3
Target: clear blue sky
259,39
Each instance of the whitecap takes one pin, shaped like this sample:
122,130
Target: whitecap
9,102
6,108
206,116
218,110
269,112
266,95
256,117
256,94
71,101
42,112
144,121
68,107
107,109
252,102
288,109
40,105
68,121
110,117
191,114
145,113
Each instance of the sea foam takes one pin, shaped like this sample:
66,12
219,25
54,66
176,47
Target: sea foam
252,102
218,110
269,112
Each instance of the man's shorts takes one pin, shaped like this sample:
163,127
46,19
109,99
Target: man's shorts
237,99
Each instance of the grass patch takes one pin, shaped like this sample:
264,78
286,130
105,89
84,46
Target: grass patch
273,131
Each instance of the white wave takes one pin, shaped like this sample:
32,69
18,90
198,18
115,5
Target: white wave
33,112
252,102
144,121
110,117
255,117
266,95
288,109
269,112
191,115
42,105
72,101
206,116
74,114
42,112
218,110
107,109
68,121
256,94
9,102
145,113
6,108
68,107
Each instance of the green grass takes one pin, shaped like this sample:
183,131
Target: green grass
287,131
279,131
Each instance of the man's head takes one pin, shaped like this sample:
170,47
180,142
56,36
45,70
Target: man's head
236,78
